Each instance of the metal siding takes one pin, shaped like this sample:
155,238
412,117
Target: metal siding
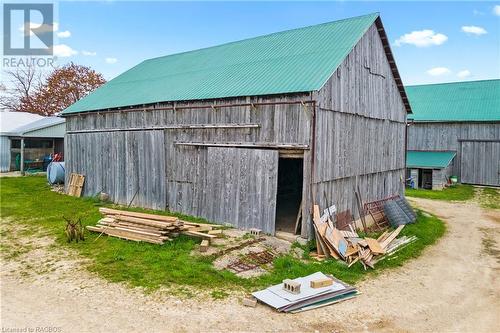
55,131
429,159
4,154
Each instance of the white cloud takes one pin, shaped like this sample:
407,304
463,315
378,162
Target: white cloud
422,38
477,12
26,28
64,34
63,51
89,53
111,60
496,10
464,73
474,30
438,71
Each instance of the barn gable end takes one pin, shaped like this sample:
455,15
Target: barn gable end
360,128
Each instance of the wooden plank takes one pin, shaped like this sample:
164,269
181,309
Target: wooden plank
244,145
155,217
383,236
171,127
197,234
124,235
76,182
297,220
391,237
374,246
146,222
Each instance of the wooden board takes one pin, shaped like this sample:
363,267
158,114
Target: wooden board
391,237
155,217
374,246
75,186
240,188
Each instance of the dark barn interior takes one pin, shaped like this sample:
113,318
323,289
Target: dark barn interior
289,194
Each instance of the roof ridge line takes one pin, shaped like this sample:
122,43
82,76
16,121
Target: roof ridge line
262,36
454,82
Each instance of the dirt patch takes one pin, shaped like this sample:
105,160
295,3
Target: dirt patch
452,287
489,241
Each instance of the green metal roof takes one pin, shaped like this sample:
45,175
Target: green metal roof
299,60
429,159
459,101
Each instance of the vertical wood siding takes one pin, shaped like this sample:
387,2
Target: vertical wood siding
182,178
447,136
359,140
360,130
480,162
240,187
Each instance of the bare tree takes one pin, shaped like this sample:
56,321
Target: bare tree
31,91
21,84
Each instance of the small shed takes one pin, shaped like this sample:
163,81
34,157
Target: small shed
9,122
430,169
459,117
252,132
31,146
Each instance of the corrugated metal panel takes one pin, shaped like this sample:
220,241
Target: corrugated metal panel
49,127
12,120
4,154
459,101
429,159
54,131
299,60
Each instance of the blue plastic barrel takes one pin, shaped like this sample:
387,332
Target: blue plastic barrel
55,173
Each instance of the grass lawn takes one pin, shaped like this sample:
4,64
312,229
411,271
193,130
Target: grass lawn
29,201
458,192
489,198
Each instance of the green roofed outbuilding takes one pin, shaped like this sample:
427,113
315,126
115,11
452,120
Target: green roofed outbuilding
461,118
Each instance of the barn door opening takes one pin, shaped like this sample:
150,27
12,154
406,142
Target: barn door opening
289,194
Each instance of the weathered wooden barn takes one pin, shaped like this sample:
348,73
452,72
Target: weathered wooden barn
463,119
242,133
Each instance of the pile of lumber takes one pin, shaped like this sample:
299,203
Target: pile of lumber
150,228
369,250
349,247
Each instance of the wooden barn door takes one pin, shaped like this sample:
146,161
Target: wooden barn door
479,162
240,187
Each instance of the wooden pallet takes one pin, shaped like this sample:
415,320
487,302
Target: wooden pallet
75,186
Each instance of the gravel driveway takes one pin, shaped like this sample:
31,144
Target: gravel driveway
453,286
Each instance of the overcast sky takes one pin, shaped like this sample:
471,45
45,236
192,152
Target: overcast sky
431,41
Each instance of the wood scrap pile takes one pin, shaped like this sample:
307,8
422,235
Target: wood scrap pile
349,247
150,228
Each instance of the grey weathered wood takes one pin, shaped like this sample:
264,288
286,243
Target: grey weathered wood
241,187
448,136
480,163
244,145
360,130
173,127
189,160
